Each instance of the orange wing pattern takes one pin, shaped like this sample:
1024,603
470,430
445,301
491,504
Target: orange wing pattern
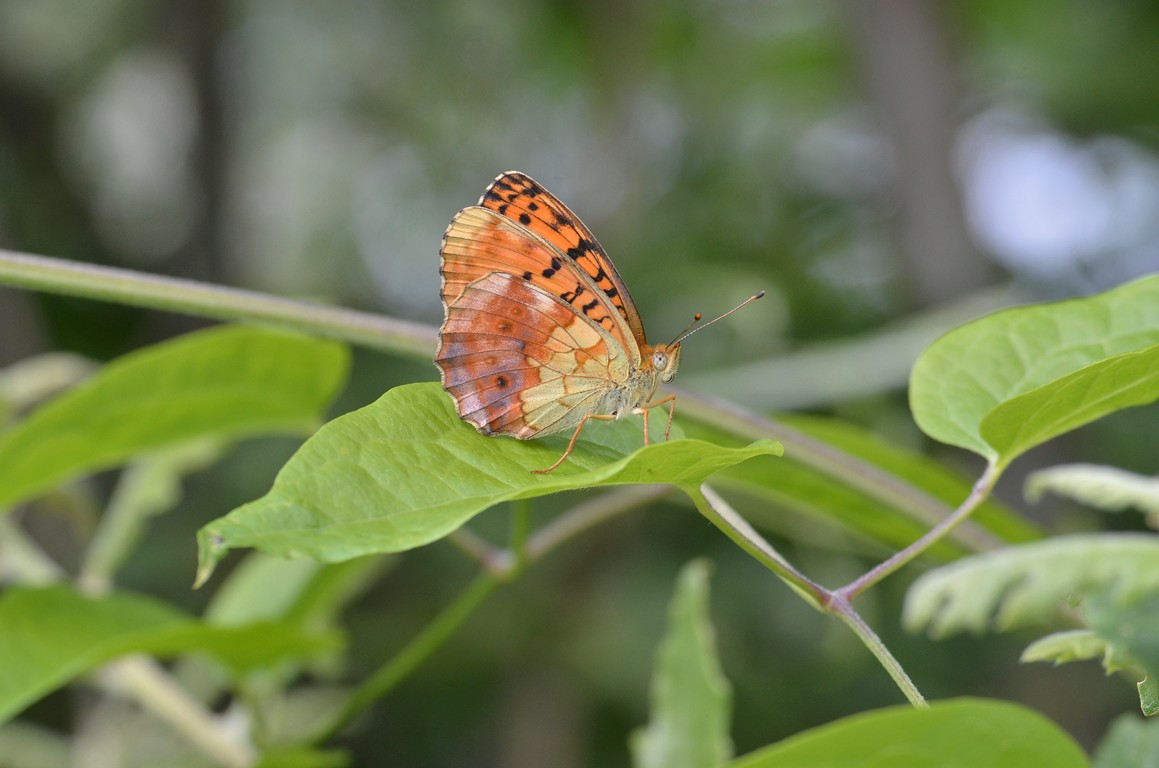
520,198
521,362
480,241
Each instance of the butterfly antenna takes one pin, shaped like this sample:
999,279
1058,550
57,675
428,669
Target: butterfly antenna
693,327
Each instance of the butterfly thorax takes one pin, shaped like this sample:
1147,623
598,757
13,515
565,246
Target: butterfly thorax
658,363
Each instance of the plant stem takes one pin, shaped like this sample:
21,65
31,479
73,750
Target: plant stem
589,514
828,460
978,494
22,561
719,513
415,653
378,332
156,691
736,528
842,609
499,567
139,676
125,286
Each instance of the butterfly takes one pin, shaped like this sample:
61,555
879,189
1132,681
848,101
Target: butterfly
541,335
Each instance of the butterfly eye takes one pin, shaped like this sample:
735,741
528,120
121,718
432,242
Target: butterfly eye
659,360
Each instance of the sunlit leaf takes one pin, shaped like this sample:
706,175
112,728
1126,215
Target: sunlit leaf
1105,386
405,471
1021,370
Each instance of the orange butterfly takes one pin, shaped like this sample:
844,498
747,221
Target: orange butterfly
541,334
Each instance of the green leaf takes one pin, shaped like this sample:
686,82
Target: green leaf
963,733
1106,488
832,499
405,471
49,636
1027,584
1129,743
1149,696
225,382
1077,645
1133,631
304,757
1067,403
1030,361
690,695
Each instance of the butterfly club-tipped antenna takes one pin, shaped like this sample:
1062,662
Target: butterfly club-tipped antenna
693,327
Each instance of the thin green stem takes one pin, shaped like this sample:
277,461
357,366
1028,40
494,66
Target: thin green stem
124,286
22,561
589,514
377,332
415,653
978,494
139,676
719,513
499,566
736,528
833,462
842,609
153,687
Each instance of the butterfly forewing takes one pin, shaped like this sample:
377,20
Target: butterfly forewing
480,241
522,362
520,198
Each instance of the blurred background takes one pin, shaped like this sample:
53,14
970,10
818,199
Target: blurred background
884,169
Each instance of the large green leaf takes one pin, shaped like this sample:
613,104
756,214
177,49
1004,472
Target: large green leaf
50,635
1003,383
405,471
690,695
965,733
1109,385
225,382
1027,584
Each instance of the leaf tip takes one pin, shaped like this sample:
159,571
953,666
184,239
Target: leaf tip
211,548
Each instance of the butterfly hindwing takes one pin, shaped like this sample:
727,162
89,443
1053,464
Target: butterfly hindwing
520,361
520,198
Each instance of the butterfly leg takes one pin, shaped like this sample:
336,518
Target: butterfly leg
571,444
671,400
